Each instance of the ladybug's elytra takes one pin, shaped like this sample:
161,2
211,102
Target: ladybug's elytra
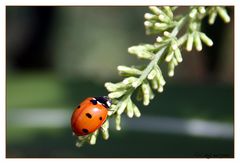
90,115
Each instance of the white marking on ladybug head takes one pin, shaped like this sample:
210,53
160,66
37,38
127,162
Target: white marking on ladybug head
108,103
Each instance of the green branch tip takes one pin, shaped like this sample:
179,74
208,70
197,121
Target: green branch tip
174,34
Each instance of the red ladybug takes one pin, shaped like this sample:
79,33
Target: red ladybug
90,115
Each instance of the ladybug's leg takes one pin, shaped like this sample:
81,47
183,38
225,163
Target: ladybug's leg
102,129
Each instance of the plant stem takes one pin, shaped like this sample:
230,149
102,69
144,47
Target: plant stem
143,76
150,66
153,62
179,26
159,54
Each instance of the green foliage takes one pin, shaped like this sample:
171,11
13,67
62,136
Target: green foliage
167,49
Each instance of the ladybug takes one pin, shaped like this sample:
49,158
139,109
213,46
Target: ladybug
90,115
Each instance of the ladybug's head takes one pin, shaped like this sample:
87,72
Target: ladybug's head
104,100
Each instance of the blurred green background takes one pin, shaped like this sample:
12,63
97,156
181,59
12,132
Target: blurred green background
57,56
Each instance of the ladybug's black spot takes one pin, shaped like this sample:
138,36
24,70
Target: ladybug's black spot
100,118
88,115
78,106
85,130
94,102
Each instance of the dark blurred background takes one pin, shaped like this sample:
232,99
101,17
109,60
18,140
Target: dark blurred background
57,56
